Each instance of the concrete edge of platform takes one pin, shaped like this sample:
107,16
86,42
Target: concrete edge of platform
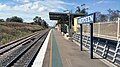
40,57
110,64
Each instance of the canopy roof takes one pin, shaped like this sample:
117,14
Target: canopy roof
57,15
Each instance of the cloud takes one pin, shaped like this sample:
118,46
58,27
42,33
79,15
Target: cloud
103,2
28,9
26,1
99,2
35,5
4,7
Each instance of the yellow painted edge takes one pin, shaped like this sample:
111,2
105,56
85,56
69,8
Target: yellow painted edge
50,64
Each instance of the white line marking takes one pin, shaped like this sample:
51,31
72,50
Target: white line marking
68,62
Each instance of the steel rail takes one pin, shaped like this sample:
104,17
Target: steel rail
16,43
11,63
25,50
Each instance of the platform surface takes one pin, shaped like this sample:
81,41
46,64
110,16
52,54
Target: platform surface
65,53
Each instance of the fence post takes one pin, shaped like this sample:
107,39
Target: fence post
91,40
104,50
97,45
118,43
116,50
81,37
118,30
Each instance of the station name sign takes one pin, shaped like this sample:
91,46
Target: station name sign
86,19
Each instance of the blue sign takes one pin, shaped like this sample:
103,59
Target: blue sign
86,19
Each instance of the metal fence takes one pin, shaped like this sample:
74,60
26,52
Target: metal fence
106,40
109,30
108,49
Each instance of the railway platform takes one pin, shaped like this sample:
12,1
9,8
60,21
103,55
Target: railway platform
65,53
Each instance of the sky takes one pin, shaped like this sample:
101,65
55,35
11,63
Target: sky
28,9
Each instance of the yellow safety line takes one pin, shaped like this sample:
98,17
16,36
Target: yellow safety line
50,64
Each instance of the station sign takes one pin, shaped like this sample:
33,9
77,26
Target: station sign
87,19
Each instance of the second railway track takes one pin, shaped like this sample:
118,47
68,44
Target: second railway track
25,55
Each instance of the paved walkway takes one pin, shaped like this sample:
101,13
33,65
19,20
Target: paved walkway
67,54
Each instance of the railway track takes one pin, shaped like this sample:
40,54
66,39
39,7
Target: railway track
12,45
26,53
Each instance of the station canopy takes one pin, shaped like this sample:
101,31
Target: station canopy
63,17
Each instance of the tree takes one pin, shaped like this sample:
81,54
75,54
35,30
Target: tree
101,17
78,10
14,19
37,20
84,11
2,20
8,19
81,11
113,14
44,23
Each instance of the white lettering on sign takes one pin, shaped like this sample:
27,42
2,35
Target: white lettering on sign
87,19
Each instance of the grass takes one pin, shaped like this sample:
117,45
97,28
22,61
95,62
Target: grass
11,31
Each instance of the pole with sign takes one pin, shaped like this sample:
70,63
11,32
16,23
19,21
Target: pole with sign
89,19
81,37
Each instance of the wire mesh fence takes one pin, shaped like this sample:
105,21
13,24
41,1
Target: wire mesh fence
104,29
